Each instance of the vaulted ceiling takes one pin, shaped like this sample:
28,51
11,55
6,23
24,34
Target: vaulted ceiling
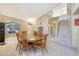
25,10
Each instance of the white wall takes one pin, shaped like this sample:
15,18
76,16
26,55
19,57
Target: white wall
74,30
75,33
44,24
73,8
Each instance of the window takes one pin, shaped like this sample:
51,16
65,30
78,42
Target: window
12,27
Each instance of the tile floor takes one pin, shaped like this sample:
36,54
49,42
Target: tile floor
54,49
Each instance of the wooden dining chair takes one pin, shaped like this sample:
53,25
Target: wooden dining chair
22,43
39,37
42,43
18,39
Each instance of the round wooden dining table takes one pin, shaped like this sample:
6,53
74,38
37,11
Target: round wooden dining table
34,38
32,42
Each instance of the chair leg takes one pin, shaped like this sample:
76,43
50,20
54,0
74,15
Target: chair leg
42,52
26,52
17,46
20,50
34,50
46,50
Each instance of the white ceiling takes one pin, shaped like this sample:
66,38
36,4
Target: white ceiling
25,10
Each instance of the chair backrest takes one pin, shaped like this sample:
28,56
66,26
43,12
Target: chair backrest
35,33
18,34
24,35
24,32
40,34
45,36
21,38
